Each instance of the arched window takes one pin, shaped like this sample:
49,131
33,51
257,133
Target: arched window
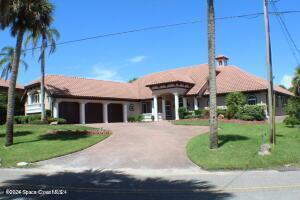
252,100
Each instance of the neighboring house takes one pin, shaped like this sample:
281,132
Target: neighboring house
19,107
4,87
156,96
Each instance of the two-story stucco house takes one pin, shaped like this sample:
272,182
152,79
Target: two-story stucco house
157,96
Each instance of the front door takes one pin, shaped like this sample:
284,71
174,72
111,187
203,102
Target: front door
168,108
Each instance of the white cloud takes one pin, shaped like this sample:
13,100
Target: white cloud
101,72
137,59
286,81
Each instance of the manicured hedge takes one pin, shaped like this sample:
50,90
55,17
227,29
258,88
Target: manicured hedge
234,101
293,110
183,112
136,118
251,113
36,119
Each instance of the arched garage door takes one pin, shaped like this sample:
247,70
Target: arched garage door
115,112
70,112
93,113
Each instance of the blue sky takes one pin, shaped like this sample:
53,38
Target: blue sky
123,57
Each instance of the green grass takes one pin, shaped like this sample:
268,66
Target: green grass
192,122
32,143
239,144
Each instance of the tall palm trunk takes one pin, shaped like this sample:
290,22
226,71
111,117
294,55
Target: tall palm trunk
213,123
12,89
43,113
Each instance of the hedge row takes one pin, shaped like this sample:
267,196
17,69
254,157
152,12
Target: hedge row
36,119
136,118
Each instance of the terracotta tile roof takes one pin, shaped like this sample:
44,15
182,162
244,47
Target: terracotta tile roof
171,77
229,79
196,74
233,79
58,85
5,84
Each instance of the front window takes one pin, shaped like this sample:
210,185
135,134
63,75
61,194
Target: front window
180,102
252,100
35,98
284,101
144,107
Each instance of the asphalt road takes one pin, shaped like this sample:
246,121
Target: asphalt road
150,184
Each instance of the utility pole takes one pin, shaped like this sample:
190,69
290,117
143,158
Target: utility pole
270,75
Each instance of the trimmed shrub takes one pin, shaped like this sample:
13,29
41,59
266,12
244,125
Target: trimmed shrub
291,121
183,111
221,111
198,113
48,113
21,119
34,117
293,110
234,101
38,121
251,112
189,116
58,120
136,118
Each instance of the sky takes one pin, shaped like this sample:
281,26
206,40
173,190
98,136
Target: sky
123,57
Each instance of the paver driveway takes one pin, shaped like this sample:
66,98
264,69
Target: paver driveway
158,145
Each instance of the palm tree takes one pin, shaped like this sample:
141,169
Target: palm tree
213,123
46,35
296,82
6,61
23,16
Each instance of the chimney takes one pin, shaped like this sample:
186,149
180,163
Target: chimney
222,60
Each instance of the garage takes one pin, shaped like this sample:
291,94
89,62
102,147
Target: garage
93,113
70,112
115,112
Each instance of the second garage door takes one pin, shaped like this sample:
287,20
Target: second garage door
115,112
93,113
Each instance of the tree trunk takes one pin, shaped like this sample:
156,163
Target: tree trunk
43,113
213,123
12,89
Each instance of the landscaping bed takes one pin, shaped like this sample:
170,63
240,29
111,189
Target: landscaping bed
34,143
239,145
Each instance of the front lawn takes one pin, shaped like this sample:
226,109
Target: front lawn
239,144
32,143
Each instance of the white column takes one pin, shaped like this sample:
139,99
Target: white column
195,103
154,110
56,109
184,101
163,102
105,113
82,113
125,105
176,98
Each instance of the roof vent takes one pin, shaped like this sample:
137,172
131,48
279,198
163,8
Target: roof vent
222,60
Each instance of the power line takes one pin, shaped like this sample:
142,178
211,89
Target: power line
246,16
291,42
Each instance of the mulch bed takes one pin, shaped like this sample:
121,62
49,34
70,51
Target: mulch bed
228,121
87,132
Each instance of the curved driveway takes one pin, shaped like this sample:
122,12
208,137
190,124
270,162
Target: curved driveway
158,145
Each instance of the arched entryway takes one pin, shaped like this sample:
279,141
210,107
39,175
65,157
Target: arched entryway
70,112
93,113
115,112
